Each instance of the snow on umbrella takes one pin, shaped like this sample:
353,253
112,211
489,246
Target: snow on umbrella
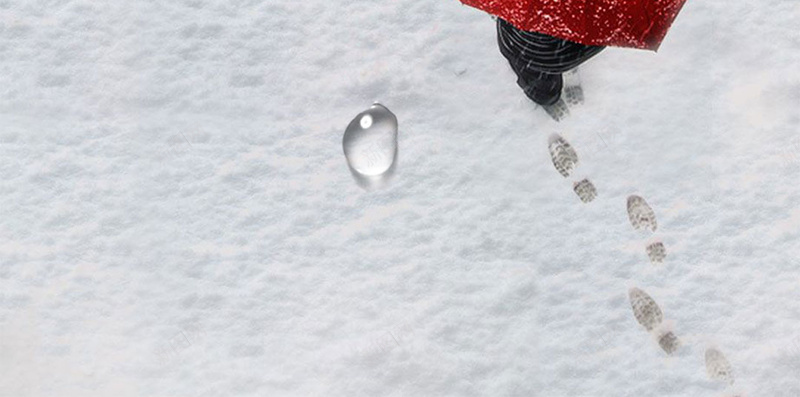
620,23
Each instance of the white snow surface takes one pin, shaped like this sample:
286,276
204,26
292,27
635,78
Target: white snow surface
178,219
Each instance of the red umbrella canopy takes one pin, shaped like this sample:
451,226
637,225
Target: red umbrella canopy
620,23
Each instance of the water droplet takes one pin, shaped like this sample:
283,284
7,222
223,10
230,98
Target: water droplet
370,142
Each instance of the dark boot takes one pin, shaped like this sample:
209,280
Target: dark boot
539,59
542,88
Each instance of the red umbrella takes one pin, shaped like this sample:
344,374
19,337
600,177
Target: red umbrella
621,23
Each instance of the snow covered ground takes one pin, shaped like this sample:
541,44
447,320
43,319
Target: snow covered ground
178,218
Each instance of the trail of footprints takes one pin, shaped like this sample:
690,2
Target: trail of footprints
642,217
650,316
565,159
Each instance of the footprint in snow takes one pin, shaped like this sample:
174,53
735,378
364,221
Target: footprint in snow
563,155
557,111
573,91
585,190
571,95
656,252
669,342
718,367
640,214
645,309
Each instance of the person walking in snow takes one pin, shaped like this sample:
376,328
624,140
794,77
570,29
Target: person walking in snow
542,39
539,60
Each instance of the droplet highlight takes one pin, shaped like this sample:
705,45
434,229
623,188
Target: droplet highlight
366,121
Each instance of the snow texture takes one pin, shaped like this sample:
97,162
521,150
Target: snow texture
178,218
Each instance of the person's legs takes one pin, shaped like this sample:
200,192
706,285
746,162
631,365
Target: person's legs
542,88
539,59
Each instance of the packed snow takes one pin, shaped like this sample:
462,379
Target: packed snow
179,219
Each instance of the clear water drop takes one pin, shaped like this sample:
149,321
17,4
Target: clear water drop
370,142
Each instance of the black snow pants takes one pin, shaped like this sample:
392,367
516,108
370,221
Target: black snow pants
539,60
